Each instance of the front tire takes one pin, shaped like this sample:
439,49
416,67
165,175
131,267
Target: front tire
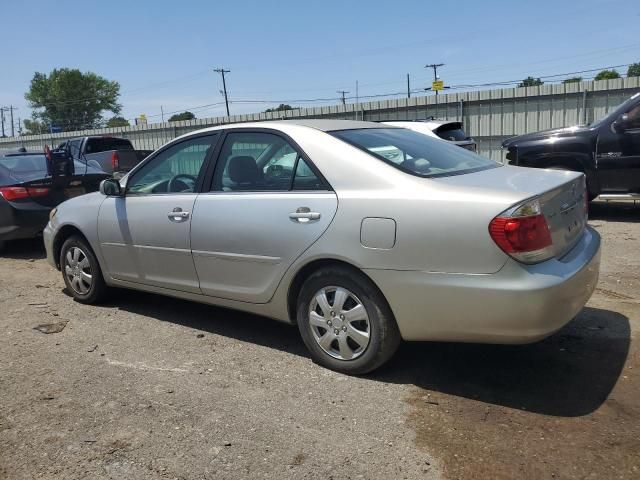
345,322
81,271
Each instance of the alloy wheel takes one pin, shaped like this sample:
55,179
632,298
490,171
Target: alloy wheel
339,323
77,269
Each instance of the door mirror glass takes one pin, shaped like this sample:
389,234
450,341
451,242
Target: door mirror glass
111,188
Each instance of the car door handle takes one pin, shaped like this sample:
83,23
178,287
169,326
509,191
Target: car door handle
304,214
178,215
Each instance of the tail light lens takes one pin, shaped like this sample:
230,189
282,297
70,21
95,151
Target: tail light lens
18,193
115,161
522,232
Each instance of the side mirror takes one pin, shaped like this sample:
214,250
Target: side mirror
111,188
621,123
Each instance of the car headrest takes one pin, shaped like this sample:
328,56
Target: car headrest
244,169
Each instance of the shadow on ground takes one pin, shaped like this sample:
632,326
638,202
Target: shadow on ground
569,374
27,249
614,211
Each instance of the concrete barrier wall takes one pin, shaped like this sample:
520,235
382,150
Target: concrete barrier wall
489,116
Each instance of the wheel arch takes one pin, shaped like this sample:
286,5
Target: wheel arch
63,234
306,270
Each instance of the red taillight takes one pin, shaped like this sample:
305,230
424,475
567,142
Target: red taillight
523,233
115,161
17,193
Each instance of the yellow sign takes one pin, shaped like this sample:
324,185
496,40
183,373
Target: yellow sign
437,85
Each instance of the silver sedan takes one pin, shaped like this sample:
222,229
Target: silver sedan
361,234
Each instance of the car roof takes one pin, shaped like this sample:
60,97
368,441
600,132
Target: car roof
19,153
330,125
431,123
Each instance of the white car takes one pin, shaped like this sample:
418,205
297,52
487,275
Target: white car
450,131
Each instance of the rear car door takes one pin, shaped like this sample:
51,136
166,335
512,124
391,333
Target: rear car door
618,154
144,235
266,205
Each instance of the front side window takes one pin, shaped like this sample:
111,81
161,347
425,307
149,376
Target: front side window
174,170
256,161
633,117
414,152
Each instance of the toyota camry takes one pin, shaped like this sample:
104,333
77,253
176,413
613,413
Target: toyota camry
359,233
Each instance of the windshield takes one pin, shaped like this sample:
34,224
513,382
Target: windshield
24,163
28,164
616,111
95,145
414,152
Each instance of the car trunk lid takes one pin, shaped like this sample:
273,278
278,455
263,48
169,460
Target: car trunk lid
561,195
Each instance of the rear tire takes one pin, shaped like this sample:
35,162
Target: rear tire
345,322
81,271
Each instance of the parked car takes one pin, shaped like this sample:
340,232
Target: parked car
445,130
303,221
607,151
110,154
28,192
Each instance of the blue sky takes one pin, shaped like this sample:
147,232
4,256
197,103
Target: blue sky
163,52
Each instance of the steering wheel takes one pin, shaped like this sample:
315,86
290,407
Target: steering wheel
177,178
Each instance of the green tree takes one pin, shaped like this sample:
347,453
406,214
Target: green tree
33,127
530,82
280,108
72,99
182,116
572,80
117,122
607,75
633,70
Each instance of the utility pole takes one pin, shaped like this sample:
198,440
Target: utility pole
222,71
19,126
357,100
435,77
162,113
13,133
435,71
342,93
408,87
2,119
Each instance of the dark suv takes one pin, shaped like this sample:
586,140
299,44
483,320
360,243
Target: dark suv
607,151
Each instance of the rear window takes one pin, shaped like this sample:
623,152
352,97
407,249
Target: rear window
95,145
24,163
415,153
452,132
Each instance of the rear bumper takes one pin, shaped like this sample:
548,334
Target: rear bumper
25,222
518,304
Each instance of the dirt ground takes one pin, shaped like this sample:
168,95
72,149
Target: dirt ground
149,387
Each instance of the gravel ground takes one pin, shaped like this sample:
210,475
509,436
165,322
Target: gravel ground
151,387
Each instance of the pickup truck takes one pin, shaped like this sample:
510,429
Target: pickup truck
109,154
606,151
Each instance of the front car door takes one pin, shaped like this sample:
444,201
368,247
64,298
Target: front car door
145,235
266,205
618,153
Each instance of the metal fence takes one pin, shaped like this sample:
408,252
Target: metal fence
489,116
